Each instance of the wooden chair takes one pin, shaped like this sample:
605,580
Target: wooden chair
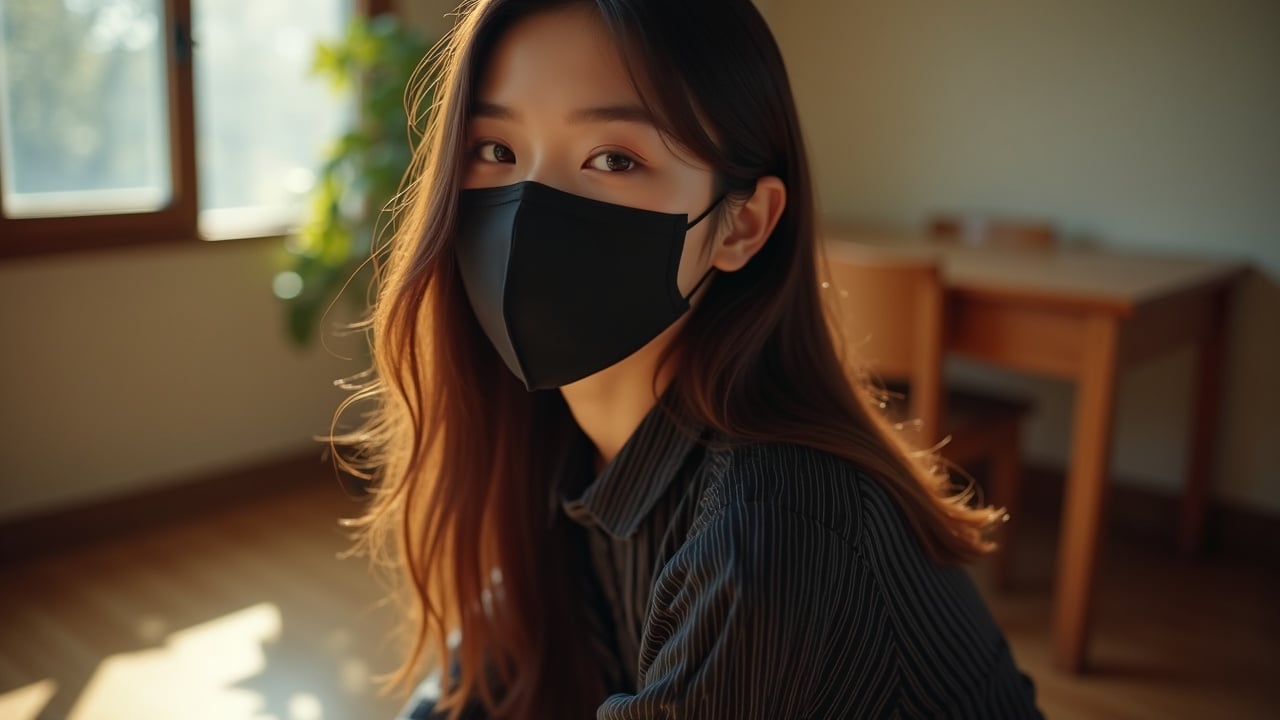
890,312
994,231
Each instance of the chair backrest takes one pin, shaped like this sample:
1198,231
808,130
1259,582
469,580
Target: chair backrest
993,231
888,313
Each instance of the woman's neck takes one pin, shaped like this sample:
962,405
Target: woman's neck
611,404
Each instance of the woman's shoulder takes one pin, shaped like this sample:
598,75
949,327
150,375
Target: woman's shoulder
803,482
821,486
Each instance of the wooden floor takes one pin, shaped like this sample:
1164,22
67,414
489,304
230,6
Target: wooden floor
246,614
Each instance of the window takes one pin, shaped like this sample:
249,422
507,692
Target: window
261,122
119,125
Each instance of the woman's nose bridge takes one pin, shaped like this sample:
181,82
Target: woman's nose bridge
549,166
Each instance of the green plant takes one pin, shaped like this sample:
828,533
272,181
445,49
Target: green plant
361,171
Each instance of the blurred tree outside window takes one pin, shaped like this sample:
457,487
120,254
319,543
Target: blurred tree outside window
84,107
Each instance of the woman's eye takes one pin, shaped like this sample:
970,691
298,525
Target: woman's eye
495,152
612,162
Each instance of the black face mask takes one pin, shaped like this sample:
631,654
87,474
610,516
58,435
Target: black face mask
566,286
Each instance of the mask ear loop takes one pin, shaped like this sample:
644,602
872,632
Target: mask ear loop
705,275
711,269
705,213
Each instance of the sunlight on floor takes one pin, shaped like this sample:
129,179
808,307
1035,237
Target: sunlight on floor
25,703
192,675
189,676
241,666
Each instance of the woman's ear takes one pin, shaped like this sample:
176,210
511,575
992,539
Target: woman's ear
750,225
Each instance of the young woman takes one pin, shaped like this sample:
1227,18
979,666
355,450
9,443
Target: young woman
619,460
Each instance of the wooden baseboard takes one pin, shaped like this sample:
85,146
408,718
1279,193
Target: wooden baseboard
27,536
1152,517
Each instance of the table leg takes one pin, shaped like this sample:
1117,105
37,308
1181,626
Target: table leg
1084,506
1204,425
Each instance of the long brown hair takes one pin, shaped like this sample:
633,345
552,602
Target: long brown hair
460,456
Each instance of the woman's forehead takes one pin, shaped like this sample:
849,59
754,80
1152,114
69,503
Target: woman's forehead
559,62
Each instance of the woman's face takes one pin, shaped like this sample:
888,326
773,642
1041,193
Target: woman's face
557,106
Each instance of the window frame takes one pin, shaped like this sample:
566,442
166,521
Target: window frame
177,222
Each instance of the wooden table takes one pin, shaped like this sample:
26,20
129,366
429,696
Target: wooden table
1083,315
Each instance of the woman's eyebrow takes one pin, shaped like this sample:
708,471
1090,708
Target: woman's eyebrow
604,113
612,113
493,110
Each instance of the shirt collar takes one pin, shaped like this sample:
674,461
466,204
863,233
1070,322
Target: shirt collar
621,496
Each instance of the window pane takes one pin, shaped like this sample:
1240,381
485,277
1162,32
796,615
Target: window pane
83,107
262,120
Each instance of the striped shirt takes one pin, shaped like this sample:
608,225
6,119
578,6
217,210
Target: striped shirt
772,581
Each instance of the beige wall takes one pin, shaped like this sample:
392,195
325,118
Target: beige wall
1145,124
129,368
